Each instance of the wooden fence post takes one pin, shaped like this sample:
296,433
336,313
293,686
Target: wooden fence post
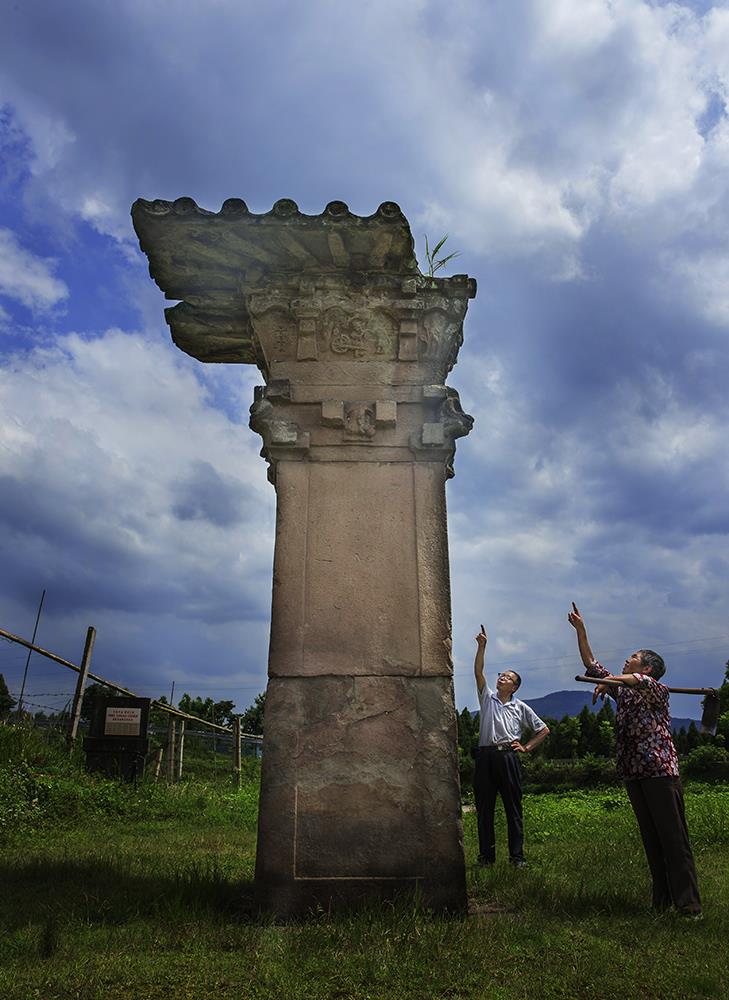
158,764
236,750
180,750
80,685
171,733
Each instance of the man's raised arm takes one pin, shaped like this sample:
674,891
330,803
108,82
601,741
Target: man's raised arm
481,640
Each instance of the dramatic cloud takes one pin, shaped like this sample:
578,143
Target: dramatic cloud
577,153
25,278
126,494
616,499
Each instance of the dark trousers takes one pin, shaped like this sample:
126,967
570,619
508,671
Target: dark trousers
498,772
658,807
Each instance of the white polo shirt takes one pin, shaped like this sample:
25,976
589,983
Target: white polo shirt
503,723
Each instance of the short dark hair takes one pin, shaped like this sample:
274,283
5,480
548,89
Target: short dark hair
654,661
518,679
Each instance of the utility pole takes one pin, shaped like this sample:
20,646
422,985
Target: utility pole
27,662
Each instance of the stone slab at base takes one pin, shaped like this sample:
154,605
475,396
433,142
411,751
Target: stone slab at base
359,795
307,897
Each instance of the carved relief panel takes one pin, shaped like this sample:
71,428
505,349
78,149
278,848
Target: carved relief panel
370,336
359,422
437,334
276,331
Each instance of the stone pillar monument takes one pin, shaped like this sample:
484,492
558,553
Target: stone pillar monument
360,794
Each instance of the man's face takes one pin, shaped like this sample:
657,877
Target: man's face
634,665
506,682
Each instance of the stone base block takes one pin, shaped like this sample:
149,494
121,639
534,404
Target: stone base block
360,799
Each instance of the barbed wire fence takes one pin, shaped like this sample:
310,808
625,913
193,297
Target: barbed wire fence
224,740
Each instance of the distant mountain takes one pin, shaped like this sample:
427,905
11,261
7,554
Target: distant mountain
560,703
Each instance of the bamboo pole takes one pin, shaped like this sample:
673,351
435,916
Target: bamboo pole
619,682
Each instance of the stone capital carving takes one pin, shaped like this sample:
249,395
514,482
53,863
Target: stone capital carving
439,435
354,343
281,438
367,325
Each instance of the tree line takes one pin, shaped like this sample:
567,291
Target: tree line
570,738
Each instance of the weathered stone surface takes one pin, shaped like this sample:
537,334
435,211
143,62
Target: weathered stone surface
359,570
359,796
359,787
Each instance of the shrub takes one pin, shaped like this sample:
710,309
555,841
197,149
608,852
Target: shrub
542,775
20,798
707,763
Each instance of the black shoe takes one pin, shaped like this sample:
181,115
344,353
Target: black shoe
518,862
483,862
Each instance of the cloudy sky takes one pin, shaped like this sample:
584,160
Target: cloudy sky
576,151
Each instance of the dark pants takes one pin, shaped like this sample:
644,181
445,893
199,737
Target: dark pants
658,807
498,772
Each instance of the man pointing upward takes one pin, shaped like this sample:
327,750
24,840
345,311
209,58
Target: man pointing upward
503,719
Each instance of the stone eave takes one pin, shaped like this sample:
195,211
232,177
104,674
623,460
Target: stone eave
209,260
180,235
212,262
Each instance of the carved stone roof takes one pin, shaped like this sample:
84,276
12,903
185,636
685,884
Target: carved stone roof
210,260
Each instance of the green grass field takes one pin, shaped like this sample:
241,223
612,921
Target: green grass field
146,894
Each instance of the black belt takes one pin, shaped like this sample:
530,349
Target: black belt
502,747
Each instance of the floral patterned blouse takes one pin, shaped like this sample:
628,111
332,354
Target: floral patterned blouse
643,738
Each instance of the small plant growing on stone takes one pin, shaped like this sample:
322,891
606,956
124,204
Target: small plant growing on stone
435,263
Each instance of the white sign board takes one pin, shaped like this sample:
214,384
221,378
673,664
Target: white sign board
122,721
